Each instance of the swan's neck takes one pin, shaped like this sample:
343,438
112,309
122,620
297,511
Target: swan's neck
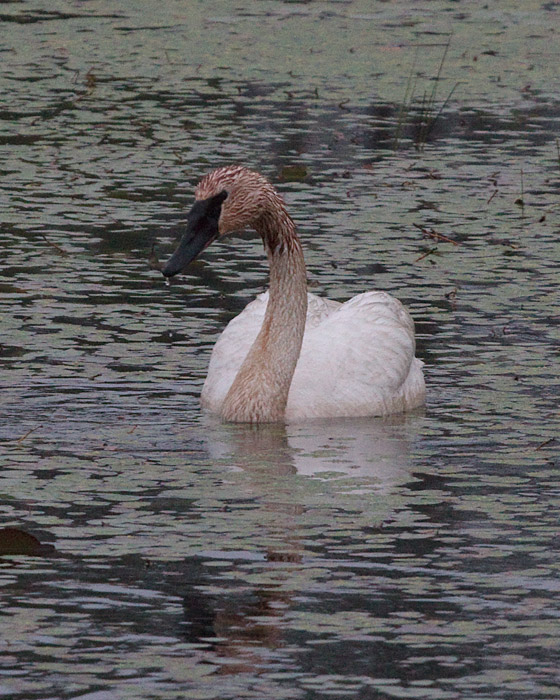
260,390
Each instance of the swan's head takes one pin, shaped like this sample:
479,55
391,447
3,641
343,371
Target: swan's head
227,199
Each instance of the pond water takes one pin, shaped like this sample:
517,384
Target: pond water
416,556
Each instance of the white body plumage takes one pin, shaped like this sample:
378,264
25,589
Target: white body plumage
357,358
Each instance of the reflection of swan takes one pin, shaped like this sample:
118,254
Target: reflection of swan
354,447
290,355
375,449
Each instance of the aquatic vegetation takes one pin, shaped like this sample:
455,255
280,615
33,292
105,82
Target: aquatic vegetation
422,112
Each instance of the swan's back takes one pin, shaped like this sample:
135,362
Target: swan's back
357,358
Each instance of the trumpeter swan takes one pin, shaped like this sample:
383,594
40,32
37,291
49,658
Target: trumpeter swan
290,355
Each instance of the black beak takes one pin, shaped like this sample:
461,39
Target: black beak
202,229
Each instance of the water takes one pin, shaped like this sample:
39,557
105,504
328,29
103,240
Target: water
407,557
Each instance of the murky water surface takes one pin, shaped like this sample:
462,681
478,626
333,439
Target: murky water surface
413,557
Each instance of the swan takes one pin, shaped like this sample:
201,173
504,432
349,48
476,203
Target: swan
290,355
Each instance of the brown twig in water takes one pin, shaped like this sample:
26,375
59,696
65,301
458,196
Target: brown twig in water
22,438
431,233
425,255
55,246
545,443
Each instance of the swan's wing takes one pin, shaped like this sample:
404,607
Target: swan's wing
318,310
358,361
237,338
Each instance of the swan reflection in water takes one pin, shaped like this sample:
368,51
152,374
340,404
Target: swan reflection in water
371,448
305,488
